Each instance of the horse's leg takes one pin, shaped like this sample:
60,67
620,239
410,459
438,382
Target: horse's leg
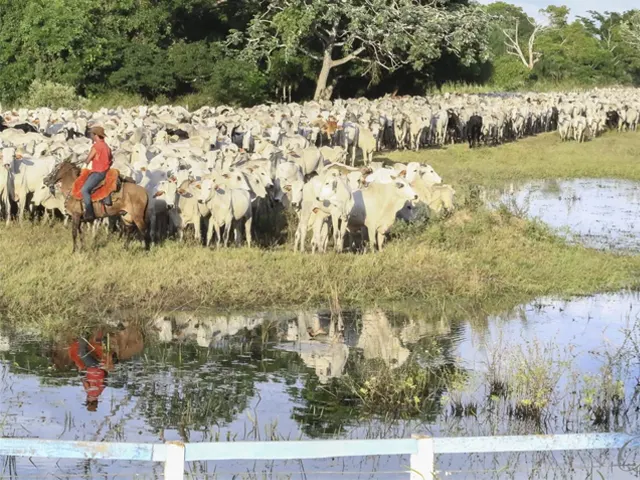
81,232
127,233
75,227
142,226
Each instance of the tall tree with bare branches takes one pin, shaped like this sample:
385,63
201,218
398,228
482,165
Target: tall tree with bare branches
381,34
512,42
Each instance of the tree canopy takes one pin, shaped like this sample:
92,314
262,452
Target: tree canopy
247,51
381,34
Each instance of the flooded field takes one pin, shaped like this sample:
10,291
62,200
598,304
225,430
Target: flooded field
599,213
550,366
306,375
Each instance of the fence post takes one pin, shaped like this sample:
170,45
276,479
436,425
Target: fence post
174,464
422,462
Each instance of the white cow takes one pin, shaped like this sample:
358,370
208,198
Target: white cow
376,207
50,201
288,184
7,181
312,217
336,198
367,143
230,207
29,177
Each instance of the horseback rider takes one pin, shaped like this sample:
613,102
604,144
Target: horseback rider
102,159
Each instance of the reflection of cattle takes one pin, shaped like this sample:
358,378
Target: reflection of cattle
379,341
204,331
5,346
327,359
321,340
326,349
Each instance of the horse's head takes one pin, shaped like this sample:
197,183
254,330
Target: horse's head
60,172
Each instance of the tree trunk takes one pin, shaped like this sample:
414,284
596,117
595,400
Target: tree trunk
323,77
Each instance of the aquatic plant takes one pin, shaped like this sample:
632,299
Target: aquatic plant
534,372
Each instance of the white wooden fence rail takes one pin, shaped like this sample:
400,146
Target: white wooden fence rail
421,449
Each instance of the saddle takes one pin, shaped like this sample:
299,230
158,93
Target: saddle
111,184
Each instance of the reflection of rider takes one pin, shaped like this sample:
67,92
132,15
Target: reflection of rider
91,357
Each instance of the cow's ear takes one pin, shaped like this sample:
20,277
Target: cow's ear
403,173
158,194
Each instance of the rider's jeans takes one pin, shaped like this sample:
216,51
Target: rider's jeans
93,180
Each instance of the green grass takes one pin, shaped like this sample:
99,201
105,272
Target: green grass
542,157
475,259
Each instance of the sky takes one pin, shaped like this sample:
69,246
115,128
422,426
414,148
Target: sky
578,7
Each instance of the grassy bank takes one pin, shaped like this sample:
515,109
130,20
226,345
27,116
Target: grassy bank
476,257
471,258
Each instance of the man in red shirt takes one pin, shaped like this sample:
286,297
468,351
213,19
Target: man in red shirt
102,159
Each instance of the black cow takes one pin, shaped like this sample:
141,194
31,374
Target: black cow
72,133
454,126
25,127
474,130
181,134
553,121
613,119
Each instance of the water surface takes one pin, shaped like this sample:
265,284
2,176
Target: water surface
600,213
277,376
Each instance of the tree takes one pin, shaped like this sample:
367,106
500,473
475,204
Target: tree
512,43
602,26
558,15
572,53
503,17
630,29
383,34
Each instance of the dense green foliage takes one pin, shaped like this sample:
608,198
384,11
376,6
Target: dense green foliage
246,51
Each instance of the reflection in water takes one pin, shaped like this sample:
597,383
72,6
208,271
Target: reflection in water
95,356
5,346
275,376
378,341
601,213
202,329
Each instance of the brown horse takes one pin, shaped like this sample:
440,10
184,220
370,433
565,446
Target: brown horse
130,202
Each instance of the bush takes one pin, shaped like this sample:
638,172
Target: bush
194,101
146,71
509,73
52,95
236,83
114,99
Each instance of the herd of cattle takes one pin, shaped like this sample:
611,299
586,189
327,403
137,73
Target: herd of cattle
217,169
